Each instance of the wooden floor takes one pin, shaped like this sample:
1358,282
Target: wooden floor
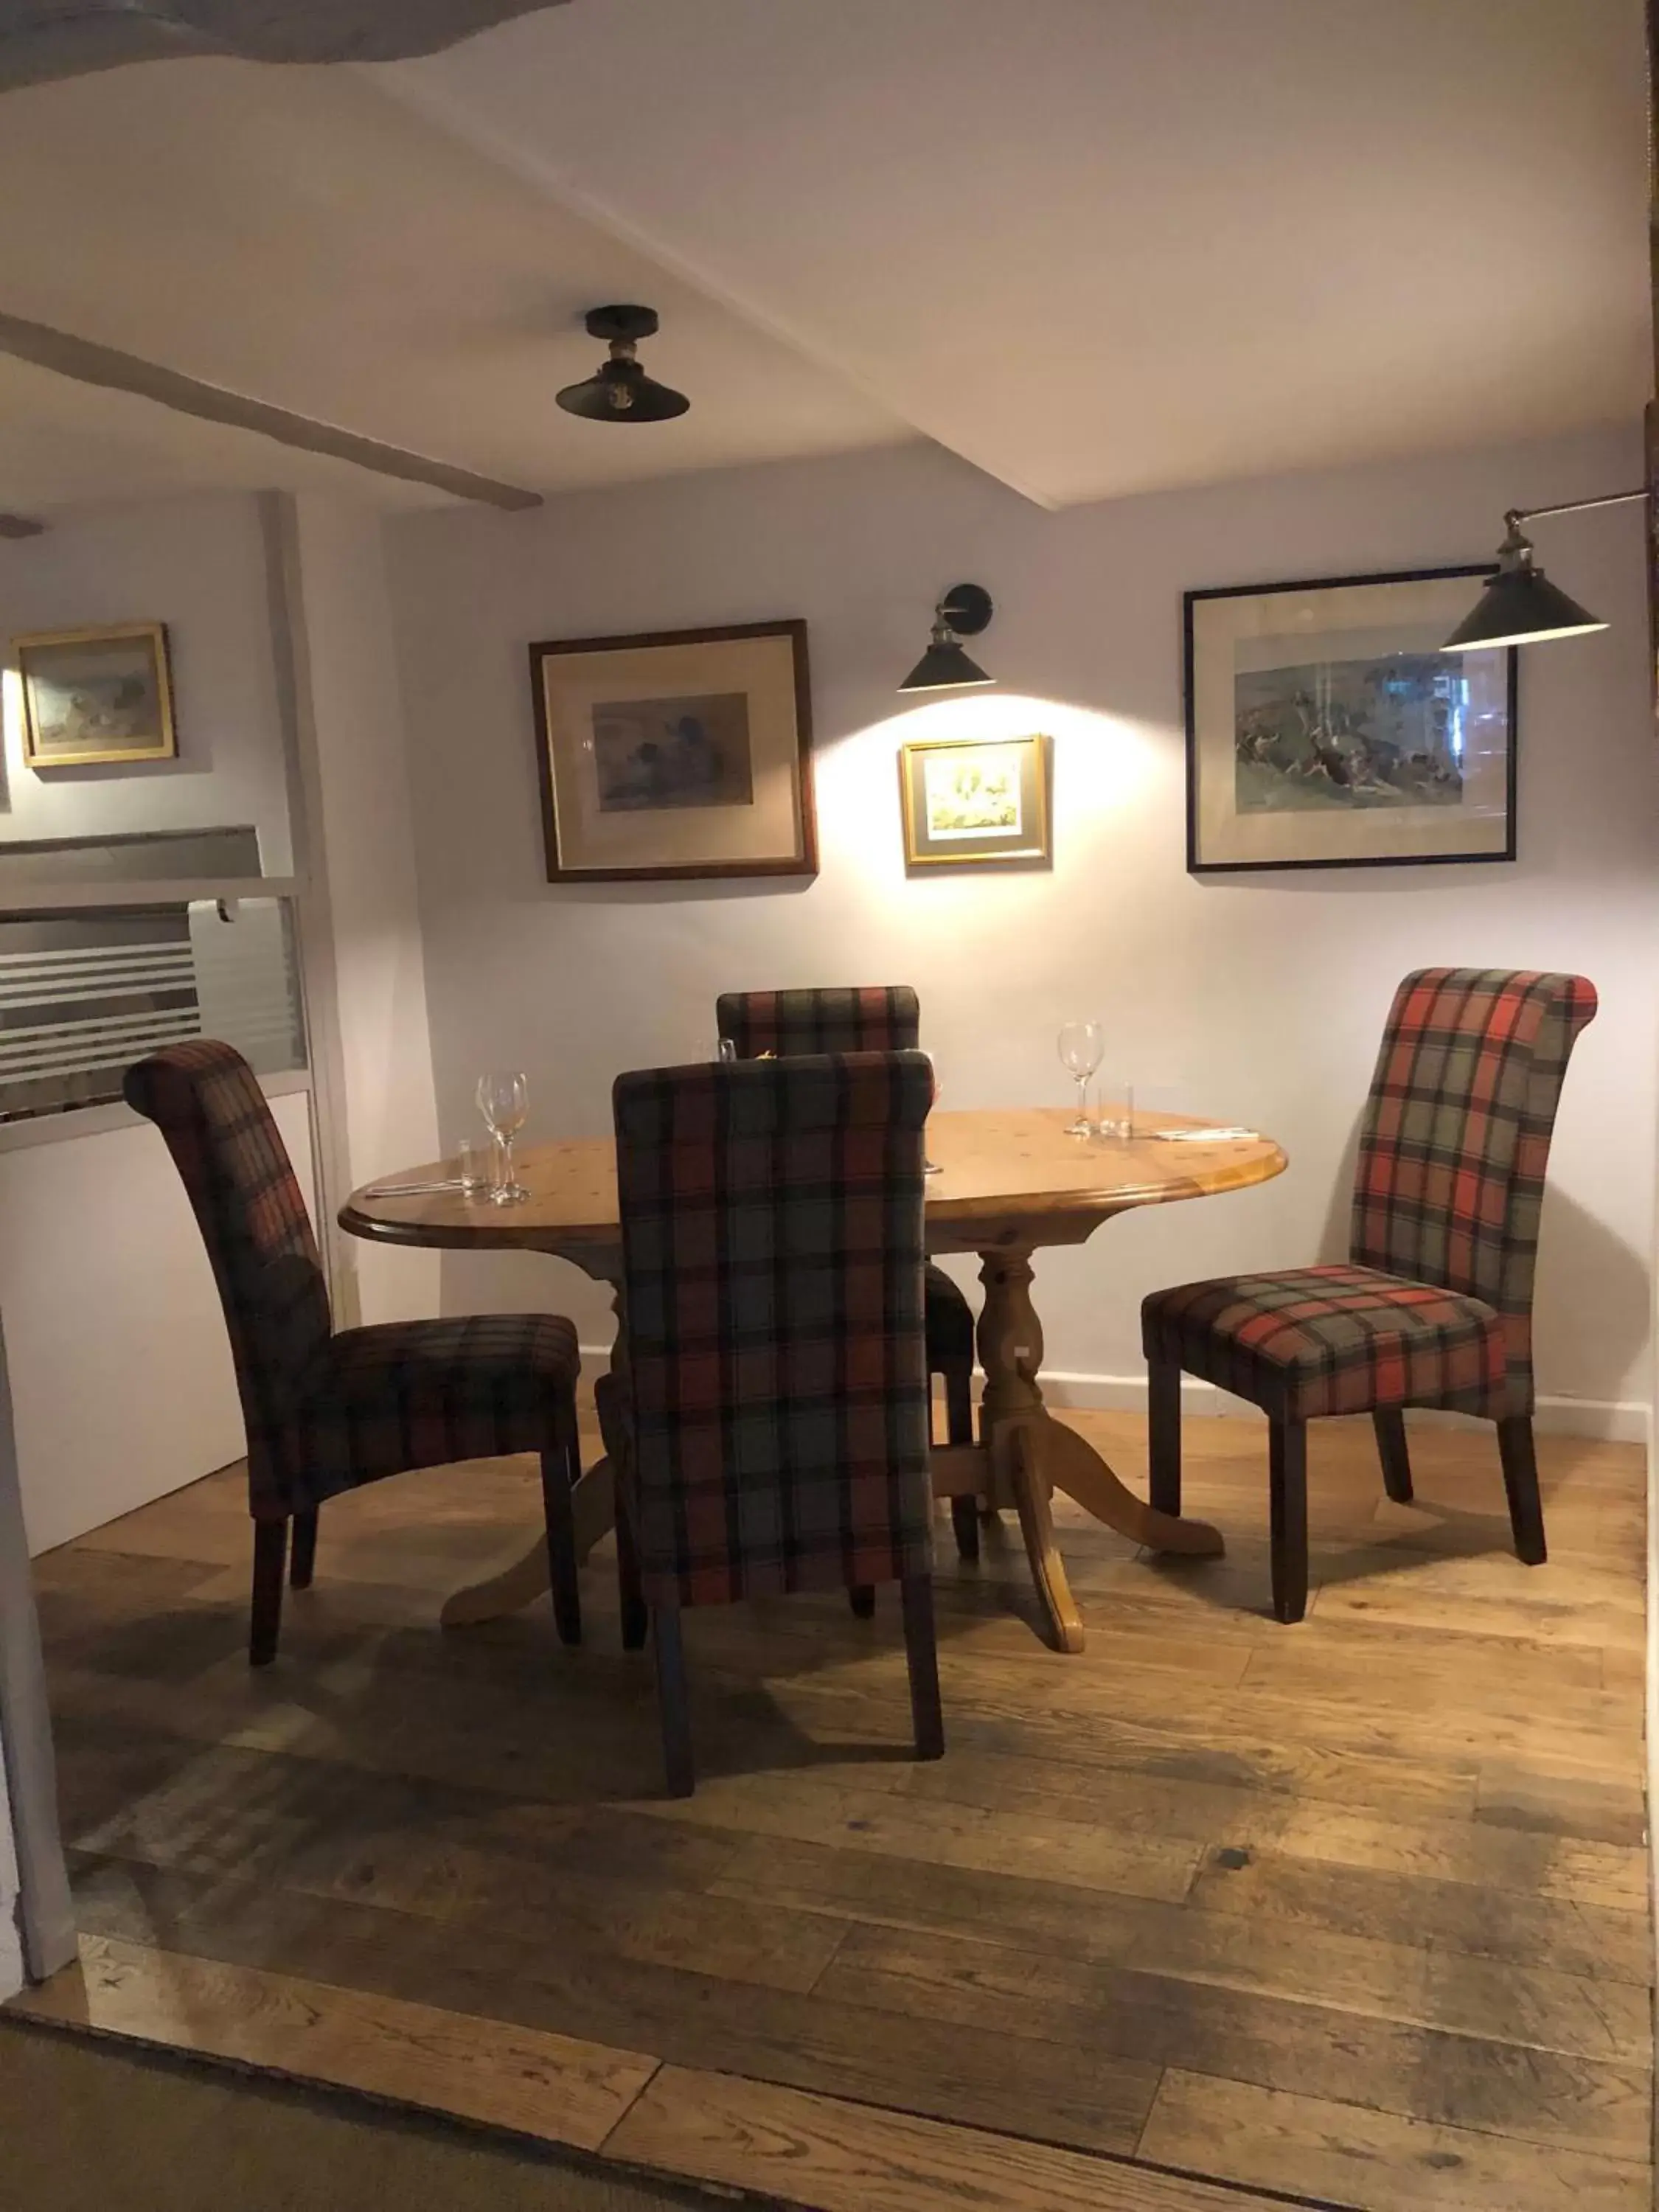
1355,1911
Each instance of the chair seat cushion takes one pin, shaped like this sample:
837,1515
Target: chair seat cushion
1306,1341
404,1395
950,1324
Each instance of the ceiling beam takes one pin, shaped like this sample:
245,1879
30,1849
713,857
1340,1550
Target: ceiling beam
42,39
88,362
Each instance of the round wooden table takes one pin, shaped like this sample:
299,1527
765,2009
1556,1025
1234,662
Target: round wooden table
1011,1181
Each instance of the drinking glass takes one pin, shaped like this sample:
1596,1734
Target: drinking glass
726,1052
931,1166
475,1164
1082,1045
504,1102
1117,1108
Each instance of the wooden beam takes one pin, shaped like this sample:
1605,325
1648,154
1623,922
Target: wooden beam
88,362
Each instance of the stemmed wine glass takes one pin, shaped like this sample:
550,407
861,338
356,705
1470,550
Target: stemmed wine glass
1082,1046
504,1102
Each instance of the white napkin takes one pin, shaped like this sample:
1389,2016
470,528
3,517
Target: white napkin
1201,1136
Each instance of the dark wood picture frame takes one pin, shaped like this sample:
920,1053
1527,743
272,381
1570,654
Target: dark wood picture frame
803,862
1475,572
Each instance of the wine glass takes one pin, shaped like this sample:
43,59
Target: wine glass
931,1166
1082,1047
504,1102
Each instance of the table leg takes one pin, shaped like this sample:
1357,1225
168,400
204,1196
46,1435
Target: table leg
1032,1454
594,1513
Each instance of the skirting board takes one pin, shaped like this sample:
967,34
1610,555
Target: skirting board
1604,1421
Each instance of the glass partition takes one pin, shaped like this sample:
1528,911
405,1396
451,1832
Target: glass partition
83,995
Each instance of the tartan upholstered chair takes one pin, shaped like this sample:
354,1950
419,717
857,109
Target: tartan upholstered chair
876,1017
769,1425
326,1412
1434,1305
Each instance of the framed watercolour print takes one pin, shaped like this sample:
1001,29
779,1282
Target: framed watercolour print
1325,727
96,696
677,753
975,799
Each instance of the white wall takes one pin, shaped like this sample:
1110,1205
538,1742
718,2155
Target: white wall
198,565
363,862
1258,999
121,1380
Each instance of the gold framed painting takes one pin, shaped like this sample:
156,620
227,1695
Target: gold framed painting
976,801
96,698
676,753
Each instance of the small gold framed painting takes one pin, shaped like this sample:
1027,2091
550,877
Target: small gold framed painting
96,696
975,799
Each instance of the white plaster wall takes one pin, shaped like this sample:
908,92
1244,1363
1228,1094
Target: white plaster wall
1258,999
198,565
121,1381
367,848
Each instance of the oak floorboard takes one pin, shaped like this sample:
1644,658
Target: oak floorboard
550,2085
1341,2153
1380,1879
834,2157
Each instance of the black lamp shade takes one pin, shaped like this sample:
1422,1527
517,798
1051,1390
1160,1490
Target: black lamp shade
1518,606
944,667
621,392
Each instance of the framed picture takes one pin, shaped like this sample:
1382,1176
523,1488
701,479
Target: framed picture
94,697
679,753
974,799
1325,729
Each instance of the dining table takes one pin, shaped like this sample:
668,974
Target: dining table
1009,1182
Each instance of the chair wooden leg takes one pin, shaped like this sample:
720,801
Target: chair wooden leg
630,1590
673,1704
1164,1434
922,1654
1288,1476
861,1596
563,1573
1515,1447
1394,1454
964,1519
302,1560
270,1558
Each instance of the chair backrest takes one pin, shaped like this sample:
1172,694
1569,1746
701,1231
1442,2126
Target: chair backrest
872,1017
1456,1136
207,1102
776,1389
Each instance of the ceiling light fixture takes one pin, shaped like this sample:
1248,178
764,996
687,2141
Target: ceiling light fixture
1519,605
621,392
964,612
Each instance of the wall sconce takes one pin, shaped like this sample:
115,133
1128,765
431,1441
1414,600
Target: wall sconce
1520,605
964,612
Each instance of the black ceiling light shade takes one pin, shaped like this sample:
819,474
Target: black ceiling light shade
621,392
964,612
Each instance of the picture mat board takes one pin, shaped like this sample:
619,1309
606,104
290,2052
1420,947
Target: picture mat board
1230,632
771,834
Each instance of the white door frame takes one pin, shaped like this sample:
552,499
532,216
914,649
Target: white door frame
46,1911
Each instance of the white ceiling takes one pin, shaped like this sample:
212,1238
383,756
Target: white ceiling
1104,247
296,235
1096,247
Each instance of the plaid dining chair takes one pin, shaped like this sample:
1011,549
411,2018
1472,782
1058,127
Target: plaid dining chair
1433,1306
872,1017
326,1411
770,1422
